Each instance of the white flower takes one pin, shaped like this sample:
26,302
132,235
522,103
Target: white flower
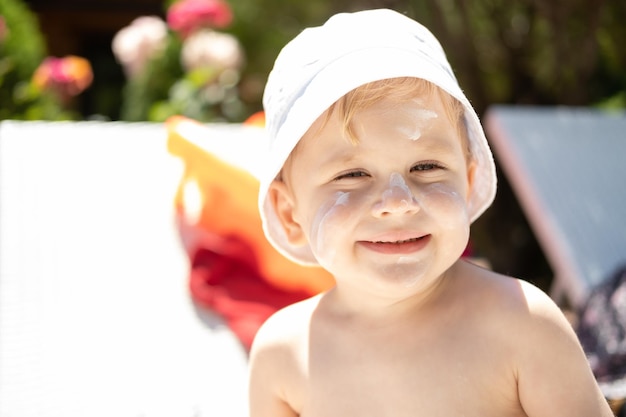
137,43
207,48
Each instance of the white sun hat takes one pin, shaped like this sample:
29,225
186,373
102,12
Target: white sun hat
322,64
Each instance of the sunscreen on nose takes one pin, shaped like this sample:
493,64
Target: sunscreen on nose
398,193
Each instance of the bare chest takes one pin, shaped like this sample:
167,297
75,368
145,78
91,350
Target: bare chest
406,375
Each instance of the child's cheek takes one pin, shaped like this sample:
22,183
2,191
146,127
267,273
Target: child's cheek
443,202
325,225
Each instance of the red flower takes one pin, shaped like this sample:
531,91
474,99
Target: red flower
68,76
186,16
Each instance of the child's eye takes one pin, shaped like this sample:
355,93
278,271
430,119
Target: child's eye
426,166
351,174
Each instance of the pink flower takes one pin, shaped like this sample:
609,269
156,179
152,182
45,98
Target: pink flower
187,16
137,43
68,76
211,49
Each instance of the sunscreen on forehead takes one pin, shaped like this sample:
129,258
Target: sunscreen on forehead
418,119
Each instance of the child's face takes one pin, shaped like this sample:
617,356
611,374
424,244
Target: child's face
390,210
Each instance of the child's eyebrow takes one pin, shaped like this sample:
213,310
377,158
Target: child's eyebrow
437,144
342,157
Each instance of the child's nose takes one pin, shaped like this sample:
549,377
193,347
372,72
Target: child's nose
397,198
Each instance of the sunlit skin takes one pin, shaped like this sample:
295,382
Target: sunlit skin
409,329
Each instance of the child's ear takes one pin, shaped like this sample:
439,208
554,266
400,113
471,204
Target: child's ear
281,198
471,174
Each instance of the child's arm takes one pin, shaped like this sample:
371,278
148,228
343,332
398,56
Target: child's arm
268,370
554,377
265,400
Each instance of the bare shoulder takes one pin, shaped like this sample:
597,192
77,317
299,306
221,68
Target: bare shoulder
277,364
286,327
512,298
282,338
512,303
512,310
552,374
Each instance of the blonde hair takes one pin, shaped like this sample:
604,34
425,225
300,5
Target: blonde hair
399,89
402,89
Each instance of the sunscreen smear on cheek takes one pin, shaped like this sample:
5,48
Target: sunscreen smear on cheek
327,219
441,200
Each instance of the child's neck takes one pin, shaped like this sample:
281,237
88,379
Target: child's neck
355,303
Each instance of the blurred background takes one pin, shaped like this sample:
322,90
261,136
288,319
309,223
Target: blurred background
146,60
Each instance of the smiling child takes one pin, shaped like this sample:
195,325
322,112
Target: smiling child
378,166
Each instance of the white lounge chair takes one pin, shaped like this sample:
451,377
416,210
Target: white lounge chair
95,315
567,167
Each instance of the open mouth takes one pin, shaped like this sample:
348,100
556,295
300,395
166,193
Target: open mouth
405,246
400,242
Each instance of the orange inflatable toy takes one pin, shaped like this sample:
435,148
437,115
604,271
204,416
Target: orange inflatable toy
220,226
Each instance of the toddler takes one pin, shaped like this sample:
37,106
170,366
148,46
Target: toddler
378,165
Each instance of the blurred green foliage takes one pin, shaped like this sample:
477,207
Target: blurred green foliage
21,52
152,87
503,51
